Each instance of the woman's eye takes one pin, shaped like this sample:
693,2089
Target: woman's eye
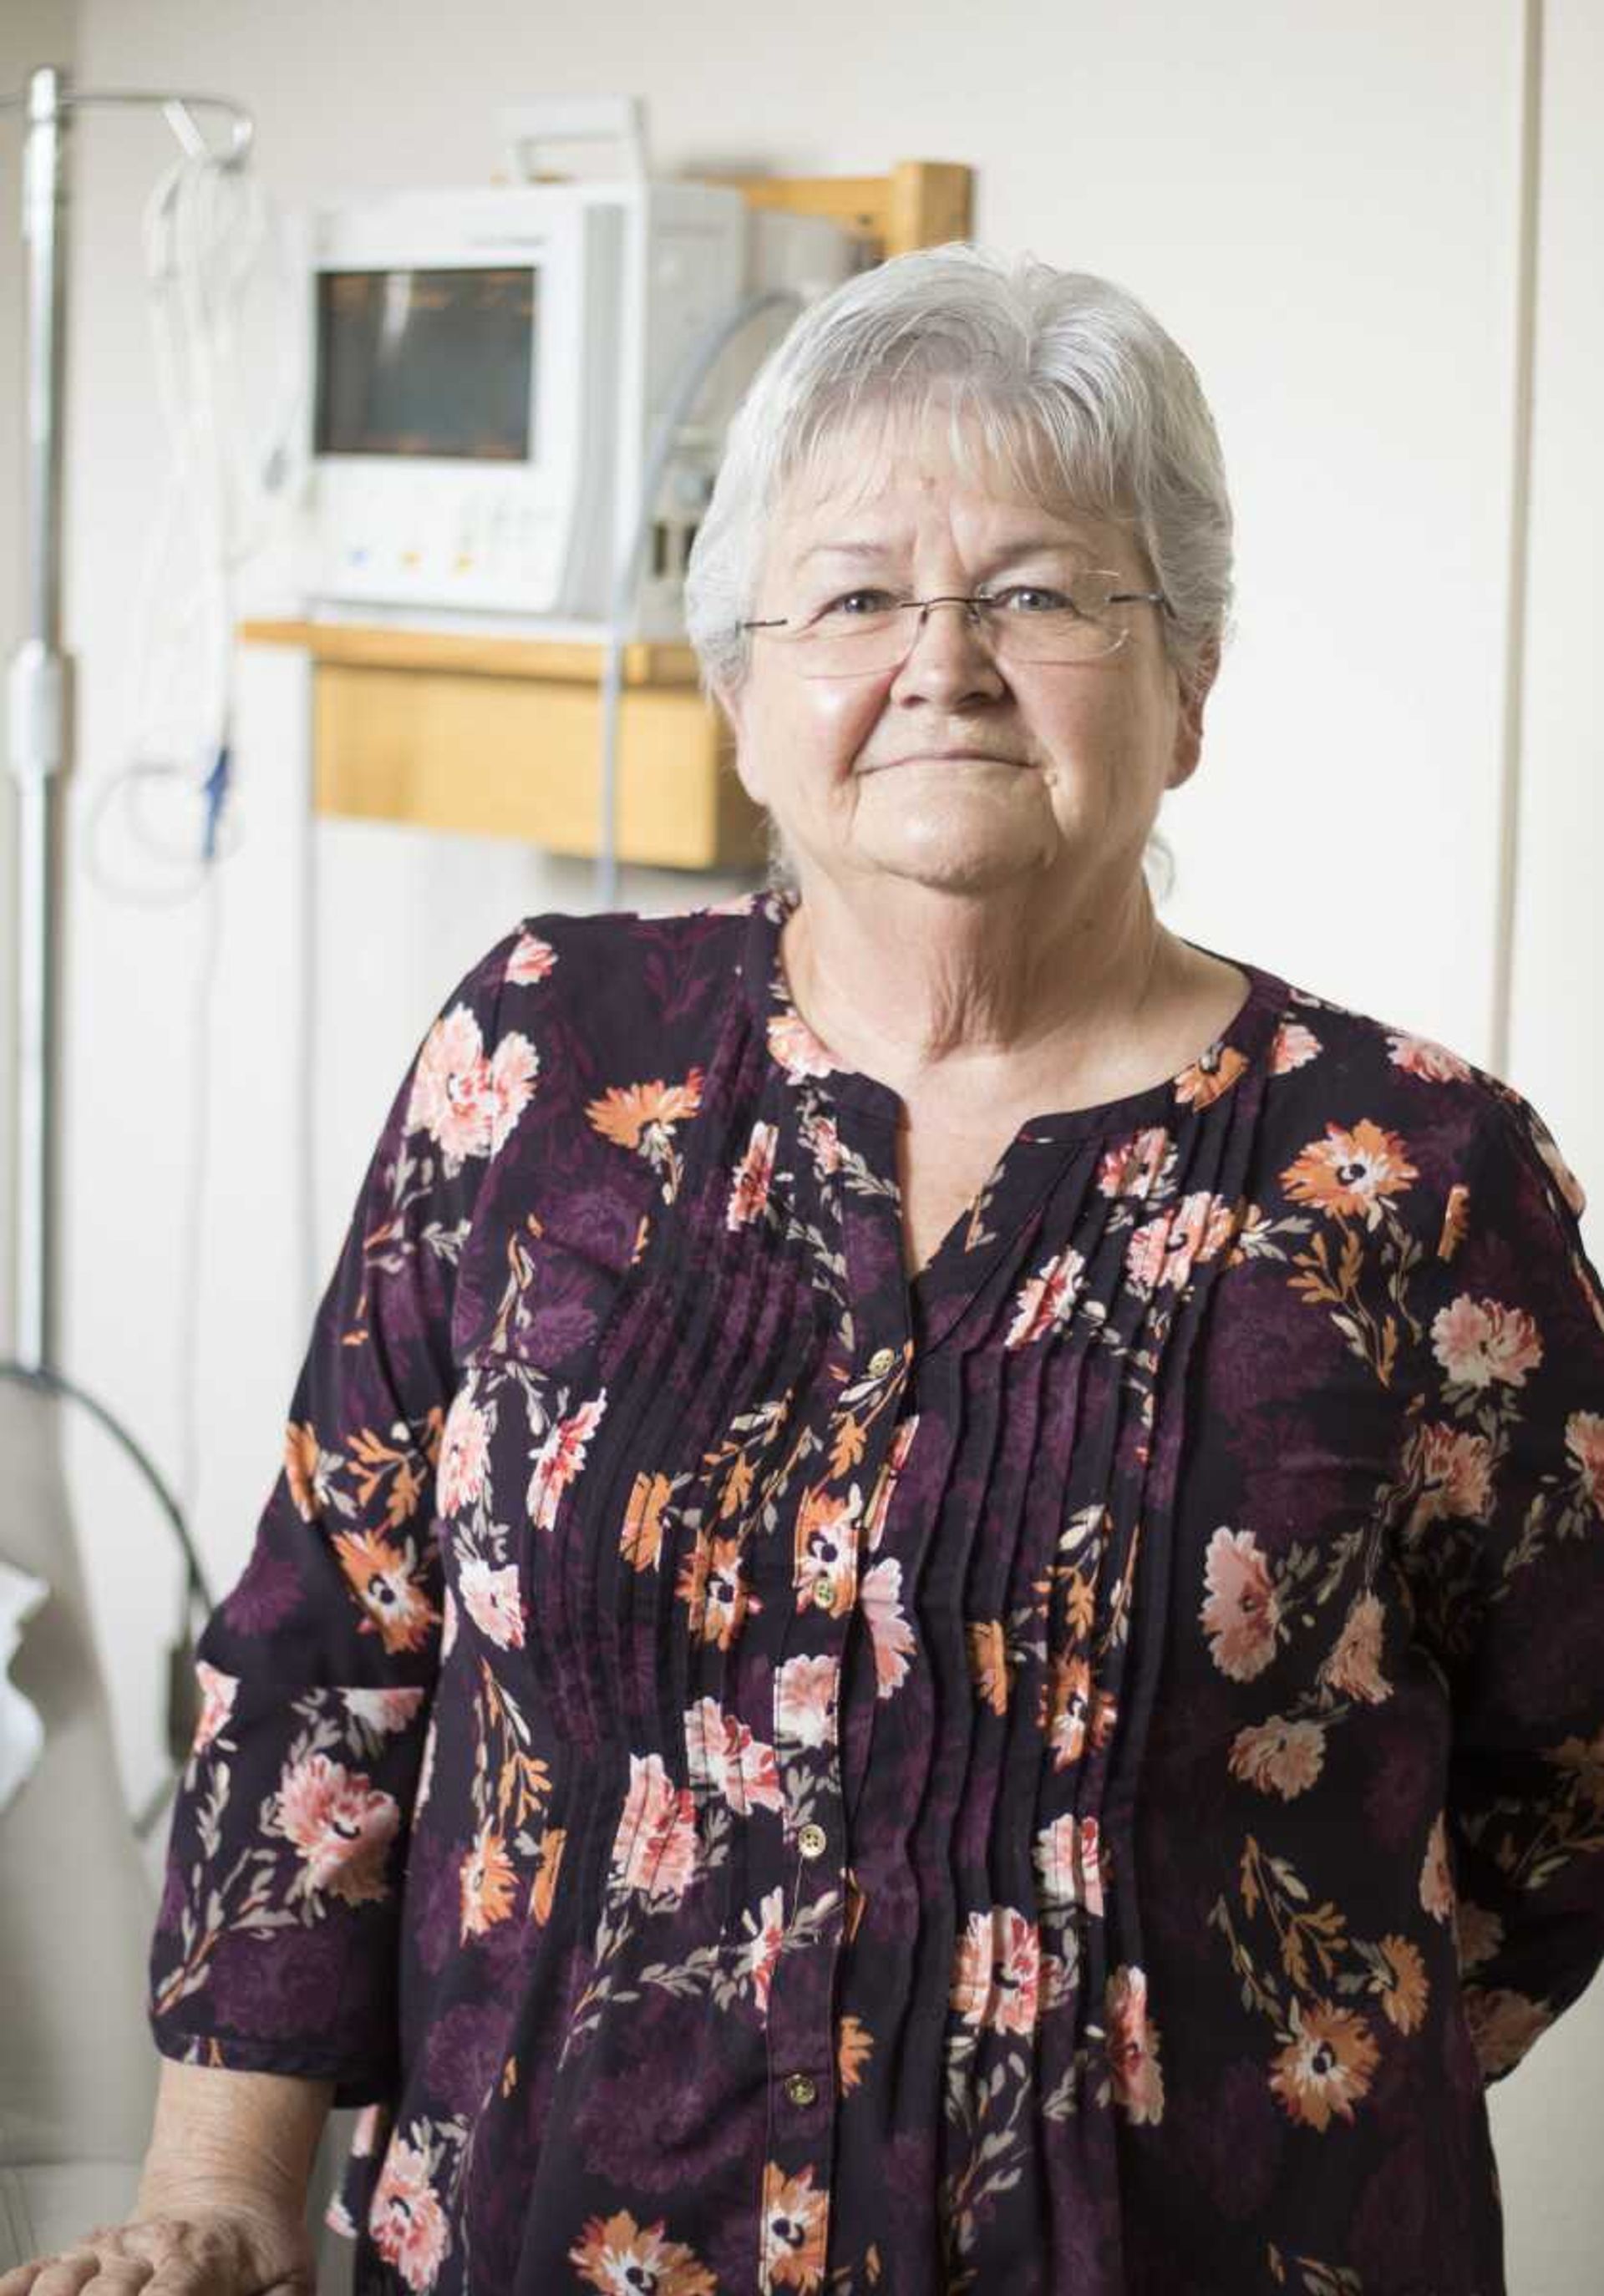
1031,598
857,602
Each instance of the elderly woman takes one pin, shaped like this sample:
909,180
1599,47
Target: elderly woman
935,1616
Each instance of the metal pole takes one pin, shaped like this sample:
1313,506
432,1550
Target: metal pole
38,707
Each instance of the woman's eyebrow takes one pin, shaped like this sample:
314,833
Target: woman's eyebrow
1022,548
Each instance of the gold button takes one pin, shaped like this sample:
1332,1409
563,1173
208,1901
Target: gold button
881,1361
824,1595
811,1840
802,2088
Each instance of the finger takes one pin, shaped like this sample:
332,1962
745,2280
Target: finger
66,2274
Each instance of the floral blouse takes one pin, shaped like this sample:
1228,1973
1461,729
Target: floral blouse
1068,1773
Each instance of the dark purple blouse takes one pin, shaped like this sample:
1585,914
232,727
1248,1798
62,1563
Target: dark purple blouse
1068,1774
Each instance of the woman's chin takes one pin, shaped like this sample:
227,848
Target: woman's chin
962,846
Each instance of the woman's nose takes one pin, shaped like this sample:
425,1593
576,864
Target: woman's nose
949,657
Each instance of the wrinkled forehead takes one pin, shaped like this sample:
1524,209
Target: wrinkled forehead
874,472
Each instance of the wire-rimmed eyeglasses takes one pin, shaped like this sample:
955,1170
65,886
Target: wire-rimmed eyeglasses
1070,622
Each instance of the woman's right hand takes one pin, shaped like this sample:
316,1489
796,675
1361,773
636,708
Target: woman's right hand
238,2249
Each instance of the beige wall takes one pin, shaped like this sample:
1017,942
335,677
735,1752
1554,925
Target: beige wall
1321,202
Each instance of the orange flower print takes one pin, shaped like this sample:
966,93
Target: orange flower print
1242,1614
489,1884
1133,1167
724,1757
804,1702
1503,2026
463,1455
1071,1711
713,1583
218,1692
893,1636
1437,1874
1408,1989
1200,1087
1279,1756
641,1540
530,962
306,1470
406,2220
655,1849
1353,1667
630,1115
1133,2046
614,2253
1325,2067
385,1582
492,1601
1069,1866
466,1103
757,1954
1422,1056
796,1048
340,1824
1478,1341
795,2221
560,1458
1450,1473
997,1972
1295,1047
1164,1249
1046,1302
1350,1175
896,1459
749,1185
989,1662
548,1860
1455,1220
854,2047
1585,1441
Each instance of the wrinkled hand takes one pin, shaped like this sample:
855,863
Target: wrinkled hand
200,2252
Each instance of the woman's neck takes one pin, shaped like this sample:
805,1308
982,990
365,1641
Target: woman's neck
986,1006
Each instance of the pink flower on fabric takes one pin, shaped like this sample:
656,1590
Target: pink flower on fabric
1437,1874
750,1184
218,1692
804,1702
1478,1341
889,1630
463,1452
756,1956
1454,1473
1584,1440
796,1048
1242,1611
560,1459
723,1756
492,1600
1046,1300
530,961
1422,1056
383,1710
1353,1667
406,2220
340,1824
1131,1166
654,1851
1165,1250
1132,2045
1069,1865
1279,1756
997,1976
1295,1046
466,1103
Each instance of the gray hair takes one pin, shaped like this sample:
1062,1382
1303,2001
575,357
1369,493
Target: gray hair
1067,383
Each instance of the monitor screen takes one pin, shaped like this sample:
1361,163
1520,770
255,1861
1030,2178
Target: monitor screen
426,363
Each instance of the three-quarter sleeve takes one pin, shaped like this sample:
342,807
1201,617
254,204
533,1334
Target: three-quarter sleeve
275,1945
1501,1542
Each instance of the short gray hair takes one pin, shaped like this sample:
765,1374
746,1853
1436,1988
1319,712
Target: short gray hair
1070,383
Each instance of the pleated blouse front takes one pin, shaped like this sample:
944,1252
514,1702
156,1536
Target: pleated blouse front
736,1756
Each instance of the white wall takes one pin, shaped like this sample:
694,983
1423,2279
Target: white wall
1320,202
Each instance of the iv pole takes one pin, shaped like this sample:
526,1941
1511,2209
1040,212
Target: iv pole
39,697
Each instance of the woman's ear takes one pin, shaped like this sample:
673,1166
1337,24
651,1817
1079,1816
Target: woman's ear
1196,686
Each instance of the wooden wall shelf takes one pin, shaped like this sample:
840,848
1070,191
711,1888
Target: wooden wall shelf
501,736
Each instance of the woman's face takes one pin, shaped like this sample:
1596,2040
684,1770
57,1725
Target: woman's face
955,771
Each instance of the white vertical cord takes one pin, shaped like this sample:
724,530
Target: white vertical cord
1529,154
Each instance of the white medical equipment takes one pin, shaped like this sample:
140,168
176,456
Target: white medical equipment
490,368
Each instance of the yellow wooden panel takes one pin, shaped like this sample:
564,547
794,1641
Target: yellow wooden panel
482,654
507,757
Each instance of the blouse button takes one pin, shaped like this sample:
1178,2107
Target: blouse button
881,1361
824,1595
802,2088
811,1840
